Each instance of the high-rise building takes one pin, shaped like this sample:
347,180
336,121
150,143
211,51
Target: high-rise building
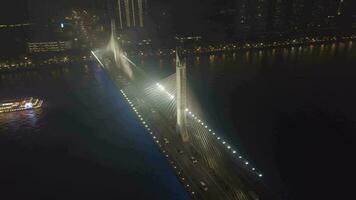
14,28
221,21
317,15
299,14
260,18
279,13
129,14
99,5
252,18
325,14
338,15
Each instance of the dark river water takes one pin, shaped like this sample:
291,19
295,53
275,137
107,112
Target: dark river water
85,143
291,111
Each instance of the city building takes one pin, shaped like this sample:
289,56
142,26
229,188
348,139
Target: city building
99,5
279,13
128,14
264,18
14,28
55,46
252,17
221,21
299,14
326,14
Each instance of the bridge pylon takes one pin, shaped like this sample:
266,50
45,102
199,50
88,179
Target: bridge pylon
113,42
181,84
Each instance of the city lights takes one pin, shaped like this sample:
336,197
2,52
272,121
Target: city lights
191,114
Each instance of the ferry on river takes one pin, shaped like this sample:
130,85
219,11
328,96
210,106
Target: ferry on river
20,105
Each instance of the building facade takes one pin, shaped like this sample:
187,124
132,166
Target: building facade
53,46
252,18
263,18
279,13
128,14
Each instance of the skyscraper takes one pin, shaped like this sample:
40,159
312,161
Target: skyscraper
337,14
252,18
279,13
299,14
317,15
129,14
259,18
14,28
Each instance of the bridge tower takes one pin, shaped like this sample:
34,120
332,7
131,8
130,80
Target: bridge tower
113,44
181,84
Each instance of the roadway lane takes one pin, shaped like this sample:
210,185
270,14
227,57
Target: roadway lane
195,173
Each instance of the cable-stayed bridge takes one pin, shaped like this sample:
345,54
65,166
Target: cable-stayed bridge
206,164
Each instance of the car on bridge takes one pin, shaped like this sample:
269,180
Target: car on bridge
166,141
194,160
203,186
180,151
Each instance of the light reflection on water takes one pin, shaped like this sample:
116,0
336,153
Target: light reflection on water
27,117
290,54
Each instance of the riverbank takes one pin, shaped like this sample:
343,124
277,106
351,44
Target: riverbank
197,48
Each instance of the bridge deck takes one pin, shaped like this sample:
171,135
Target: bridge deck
206,167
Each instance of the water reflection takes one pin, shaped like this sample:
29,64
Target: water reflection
350,46
247,57
22,120
297,54
211,60
197,60
234,57
287,54
223,57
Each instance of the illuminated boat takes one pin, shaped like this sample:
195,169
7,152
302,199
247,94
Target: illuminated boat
20,105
